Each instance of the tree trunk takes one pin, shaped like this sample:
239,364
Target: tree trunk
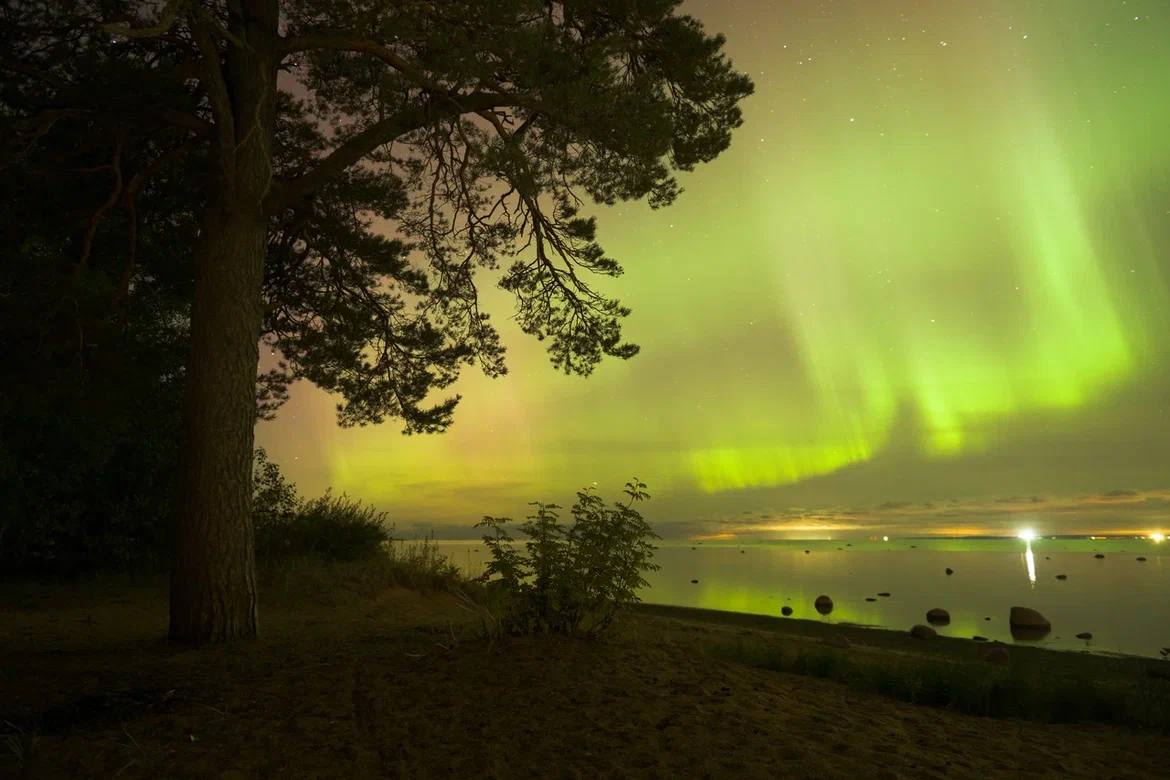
213,584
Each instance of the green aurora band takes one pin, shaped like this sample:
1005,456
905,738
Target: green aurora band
939,242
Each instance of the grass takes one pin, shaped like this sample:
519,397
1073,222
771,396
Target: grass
971,687
417,566
20,744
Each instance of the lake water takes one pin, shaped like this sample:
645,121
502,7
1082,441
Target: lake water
1123,602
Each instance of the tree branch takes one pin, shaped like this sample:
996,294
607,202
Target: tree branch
133,187
364,46
217,91
115,167
185,121
353,150
170,13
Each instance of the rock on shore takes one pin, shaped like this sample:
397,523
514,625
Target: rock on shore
923,632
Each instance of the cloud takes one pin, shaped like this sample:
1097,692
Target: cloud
1125,512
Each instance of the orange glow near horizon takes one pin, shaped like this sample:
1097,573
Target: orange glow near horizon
724,537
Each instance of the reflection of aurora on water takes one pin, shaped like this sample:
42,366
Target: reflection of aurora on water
1122,602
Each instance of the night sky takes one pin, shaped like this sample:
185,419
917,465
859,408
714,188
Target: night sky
926,290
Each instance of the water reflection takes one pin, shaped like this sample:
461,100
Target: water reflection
1122,602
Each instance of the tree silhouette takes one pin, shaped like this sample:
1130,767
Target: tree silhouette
352,166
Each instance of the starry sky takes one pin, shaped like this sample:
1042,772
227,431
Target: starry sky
927,290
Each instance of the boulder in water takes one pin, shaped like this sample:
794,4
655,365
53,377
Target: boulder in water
870,598
1028,624
1062,576
786,610
950,571
1084,635
884,595
1142,558
1099,556
938,617
923,632
694,582
824,604
978,638
1028,618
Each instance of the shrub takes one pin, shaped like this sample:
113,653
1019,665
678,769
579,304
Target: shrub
336,528
574,579
274,499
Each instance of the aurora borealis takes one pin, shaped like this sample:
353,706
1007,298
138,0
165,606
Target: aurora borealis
926,289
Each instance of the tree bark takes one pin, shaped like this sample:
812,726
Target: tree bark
213,583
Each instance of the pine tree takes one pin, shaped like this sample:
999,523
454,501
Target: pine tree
351,166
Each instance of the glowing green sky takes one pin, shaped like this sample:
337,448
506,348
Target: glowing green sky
932,269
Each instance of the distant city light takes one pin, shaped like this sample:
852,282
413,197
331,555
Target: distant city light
1027,534
1159,537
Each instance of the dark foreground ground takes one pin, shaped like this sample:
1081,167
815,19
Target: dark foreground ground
355,683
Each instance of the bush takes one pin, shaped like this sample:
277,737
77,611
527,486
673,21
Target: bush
274,499
570,580
335,528
84,487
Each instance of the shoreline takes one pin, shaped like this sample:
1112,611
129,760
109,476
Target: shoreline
882,638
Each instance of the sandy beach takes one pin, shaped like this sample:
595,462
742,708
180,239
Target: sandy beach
396,684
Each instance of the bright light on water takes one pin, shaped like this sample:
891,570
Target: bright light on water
1158,537
886,538
1027,534
1122,603
1030,562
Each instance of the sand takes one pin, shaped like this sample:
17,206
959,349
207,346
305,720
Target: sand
396,685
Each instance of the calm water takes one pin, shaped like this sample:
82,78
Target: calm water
1124,603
